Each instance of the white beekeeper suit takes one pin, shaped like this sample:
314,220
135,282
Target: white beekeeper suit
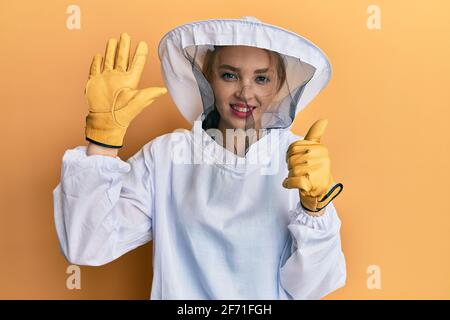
220,229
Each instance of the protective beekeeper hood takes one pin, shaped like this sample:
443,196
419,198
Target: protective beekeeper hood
183,51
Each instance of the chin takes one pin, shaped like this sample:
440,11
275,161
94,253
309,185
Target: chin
236,123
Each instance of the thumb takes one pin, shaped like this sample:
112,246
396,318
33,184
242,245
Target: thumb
152,93
317,130
139,100
144,97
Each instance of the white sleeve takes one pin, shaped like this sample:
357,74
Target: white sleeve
103,206
314,265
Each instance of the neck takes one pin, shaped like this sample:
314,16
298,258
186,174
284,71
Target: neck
238,140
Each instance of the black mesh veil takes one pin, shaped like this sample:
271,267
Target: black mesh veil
281,110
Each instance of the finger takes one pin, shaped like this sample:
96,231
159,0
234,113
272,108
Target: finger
303,150
308,165
301,183
123,53
137,65
110,55
299,147
96,65
300,159
298,171
311,168
313,151
317,130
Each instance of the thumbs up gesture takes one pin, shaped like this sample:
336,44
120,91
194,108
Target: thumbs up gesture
310,170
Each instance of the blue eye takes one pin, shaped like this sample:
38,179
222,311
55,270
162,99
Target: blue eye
226,76
262,79
230,76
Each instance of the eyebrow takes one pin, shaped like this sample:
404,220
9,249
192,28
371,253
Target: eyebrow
227,66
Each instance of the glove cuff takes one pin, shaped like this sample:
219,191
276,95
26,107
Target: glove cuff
313,204
102,130
103,144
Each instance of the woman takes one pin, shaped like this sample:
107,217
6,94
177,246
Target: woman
211,199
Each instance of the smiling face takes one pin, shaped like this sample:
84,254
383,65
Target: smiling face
244,80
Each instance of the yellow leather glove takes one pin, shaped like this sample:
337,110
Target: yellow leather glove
112,93
310,170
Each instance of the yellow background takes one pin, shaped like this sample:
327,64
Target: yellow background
388,106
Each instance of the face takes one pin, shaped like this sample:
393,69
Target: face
244,81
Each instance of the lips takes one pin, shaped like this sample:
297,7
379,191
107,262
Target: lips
241,110
241,107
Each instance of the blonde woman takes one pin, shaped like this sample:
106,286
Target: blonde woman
238,207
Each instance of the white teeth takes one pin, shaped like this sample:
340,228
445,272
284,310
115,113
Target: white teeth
241,109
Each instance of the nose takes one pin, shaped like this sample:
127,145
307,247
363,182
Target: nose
245,92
